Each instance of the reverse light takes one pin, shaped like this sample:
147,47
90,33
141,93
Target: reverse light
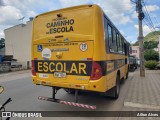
96,71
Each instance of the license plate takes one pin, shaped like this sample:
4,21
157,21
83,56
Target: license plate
59,74
43,75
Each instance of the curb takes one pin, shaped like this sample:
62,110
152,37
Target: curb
143,106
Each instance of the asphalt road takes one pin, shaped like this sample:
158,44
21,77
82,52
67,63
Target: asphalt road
24,96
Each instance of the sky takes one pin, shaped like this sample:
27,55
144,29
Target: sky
121,12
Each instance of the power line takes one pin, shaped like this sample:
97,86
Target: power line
158,24
149,18
150,29
149,21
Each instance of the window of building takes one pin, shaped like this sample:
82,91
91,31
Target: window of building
134,51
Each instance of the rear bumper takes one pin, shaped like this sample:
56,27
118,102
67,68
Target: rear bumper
99,85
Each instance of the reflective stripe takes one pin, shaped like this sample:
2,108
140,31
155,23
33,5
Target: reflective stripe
78,105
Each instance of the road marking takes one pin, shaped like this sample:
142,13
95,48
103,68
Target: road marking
138,105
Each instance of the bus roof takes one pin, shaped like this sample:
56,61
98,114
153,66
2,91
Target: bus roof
69,8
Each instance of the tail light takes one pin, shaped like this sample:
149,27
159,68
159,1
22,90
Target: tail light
96,71
33,69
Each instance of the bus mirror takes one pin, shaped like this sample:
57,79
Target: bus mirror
1,89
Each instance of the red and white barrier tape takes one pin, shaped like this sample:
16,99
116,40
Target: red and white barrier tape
78,105
68,103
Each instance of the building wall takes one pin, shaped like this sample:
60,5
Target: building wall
135,51
18,42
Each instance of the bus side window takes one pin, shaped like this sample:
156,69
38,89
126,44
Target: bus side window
118,42
114,41
128,49
123,45
110,36
125,48
106,35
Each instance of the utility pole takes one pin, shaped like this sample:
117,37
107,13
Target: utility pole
140,37
159,48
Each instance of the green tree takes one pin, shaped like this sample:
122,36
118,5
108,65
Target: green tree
2,43
150,44
152,36
151,55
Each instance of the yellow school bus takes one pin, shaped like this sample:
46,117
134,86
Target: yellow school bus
78,48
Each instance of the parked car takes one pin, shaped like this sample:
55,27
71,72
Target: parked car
132,63
138,62
15,64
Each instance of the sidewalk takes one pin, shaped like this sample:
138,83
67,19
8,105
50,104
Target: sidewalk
144,92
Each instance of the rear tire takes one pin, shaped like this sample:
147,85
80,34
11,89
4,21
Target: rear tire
116,89
127,75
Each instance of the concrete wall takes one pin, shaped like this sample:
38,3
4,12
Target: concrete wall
18,42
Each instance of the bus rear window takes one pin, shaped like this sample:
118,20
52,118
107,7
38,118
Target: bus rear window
74,21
